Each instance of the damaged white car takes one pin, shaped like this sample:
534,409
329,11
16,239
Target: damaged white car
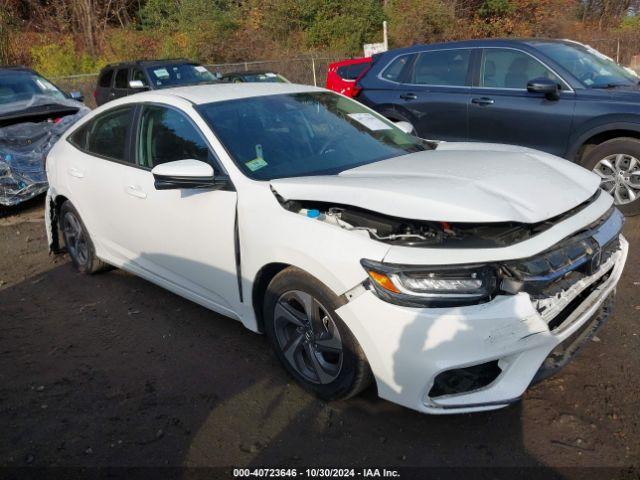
452,275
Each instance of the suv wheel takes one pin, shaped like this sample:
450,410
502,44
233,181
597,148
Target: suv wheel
77,241
310,339
617,162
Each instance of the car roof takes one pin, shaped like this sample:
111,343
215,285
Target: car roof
350,61
505,42
149,63
15,68
249,72
218,92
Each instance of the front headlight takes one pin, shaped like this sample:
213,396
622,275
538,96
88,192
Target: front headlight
432,286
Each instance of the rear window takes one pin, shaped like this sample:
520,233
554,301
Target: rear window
105,79
352,72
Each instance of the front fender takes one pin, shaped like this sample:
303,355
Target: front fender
597,126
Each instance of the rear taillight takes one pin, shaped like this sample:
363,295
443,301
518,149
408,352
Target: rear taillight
95,93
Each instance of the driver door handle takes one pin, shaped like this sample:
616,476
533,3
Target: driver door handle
483,101
135,191
408,96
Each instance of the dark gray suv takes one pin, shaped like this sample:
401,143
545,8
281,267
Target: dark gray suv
122,79
558,96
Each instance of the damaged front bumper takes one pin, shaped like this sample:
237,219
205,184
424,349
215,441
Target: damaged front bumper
479,357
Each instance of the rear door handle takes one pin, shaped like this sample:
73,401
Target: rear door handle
135,191
483,101
74,172
408,96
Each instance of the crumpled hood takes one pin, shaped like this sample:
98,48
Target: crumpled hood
457,182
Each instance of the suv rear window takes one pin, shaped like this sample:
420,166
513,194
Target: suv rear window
105,79
351,72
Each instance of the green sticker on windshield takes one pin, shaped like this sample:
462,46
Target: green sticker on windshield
256,164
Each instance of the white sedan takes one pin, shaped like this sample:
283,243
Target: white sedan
453,275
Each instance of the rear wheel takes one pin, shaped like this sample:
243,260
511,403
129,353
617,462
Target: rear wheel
77,241
309,338
617,163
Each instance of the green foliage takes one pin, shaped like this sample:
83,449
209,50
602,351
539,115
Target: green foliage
62,59
342,26
190,28
630,23
496,8
418,21
6,25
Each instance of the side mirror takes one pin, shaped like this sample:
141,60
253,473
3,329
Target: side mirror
406,127
78,96
136,84
546,86
185,174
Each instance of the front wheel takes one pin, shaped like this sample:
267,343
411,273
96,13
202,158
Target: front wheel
617,163
309,338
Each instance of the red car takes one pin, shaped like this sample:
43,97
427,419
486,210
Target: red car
342,76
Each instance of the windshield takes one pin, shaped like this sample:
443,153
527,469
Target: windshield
17,86
591,67
182,74
289,135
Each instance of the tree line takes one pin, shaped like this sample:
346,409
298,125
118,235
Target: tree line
61,37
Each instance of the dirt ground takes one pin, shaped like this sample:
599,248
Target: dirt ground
110,370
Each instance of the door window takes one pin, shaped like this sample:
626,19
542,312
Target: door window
506,68
442,67
106,135
121,78
167,135
139,75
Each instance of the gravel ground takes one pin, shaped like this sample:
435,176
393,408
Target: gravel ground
110,370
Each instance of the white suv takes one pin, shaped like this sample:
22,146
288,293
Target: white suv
453,275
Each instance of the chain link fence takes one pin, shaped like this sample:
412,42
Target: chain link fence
305,70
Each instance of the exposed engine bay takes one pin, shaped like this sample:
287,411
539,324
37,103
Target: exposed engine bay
417,233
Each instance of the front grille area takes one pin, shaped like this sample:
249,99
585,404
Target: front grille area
560,318
576,258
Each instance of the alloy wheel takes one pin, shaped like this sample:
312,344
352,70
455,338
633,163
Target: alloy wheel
308,337
620,176
74,238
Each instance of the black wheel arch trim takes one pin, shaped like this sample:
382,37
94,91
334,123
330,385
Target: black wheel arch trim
577,142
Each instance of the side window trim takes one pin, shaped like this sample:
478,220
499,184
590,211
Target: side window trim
134,150
87,124
565,88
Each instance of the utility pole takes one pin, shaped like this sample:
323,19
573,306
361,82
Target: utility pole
385,38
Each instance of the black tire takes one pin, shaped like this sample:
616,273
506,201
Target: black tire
78,242
622,145
354,374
